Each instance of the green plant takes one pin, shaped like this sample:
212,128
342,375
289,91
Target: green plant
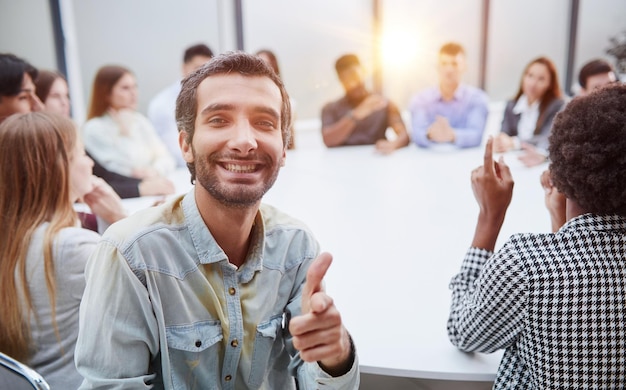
618,50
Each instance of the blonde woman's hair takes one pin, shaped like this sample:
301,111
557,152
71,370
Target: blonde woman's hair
35,151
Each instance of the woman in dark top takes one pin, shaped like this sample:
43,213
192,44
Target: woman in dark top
528,116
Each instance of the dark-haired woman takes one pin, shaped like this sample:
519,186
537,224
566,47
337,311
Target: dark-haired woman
528,116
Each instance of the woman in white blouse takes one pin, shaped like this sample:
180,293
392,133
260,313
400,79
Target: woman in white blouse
528,116
121,139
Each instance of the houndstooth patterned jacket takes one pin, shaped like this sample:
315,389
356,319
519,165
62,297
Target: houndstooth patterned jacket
556,302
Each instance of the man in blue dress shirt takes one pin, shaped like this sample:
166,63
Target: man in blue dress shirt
452,112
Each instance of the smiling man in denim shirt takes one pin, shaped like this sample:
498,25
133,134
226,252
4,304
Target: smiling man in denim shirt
214,290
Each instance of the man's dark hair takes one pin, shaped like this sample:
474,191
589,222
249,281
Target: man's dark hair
346,61
273,61
593,68
588,151
197,50
12,69
451,48
245,64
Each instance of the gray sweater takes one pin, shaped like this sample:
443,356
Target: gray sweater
53,357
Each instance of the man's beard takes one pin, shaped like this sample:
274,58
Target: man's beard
357,95
233,195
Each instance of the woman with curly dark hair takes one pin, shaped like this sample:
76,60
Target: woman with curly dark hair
554,301
588,152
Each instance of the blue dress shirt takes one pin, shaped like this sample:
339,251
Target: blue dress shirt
466,112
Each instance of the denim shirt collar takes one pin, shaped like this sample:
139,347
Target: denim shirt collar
208,249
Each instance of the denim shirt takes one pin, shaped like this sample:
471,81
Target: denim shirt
163,307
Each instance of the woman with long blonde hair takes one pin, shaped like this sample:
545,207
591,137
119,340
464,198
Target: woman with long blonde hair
43,250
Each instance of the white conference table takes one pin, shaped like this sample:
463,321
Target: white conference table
398,227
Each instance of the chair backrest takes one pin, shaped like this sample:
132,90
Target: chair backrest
18,376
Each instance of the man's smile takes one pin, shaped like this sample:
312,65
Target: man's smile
240,168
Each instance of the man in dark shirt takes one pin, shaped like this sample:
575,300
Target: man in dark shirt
361,117
594,74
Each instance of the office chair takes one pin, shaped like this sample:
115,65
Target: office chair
18,376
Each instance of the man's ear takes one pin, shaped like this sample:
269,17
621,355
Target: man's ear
185,147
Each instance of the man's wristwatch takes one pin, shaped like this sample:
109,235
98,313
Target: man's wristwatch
351,115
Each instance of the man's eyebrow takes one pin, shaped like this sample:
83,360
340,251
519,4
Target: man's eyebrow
211,108
217,107
267,110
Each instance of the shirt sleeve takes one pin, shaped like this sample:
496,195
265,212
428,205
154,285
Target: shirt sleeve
489,298
157,116
472,134
508,127
310,376
74,246
162,160
329,115
165,127
99,138
125,186
420,120
541,140
115,315
394,116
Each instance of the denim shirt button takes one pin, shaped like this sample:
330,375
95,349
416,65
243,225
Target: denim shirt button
227,378
231,291
234,343
198,343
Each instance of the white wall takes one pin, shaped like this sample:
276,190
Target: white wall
307,37
26,31
520,31
599,21
146,36
419,29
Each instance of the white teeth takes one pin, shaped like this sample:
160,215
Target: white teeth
239,168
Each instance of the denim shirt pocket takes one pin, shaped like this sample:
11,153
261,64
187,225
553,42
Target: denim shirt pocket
267,333
193,352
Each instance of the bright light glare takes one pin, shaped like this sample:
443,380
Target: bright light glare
399,49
